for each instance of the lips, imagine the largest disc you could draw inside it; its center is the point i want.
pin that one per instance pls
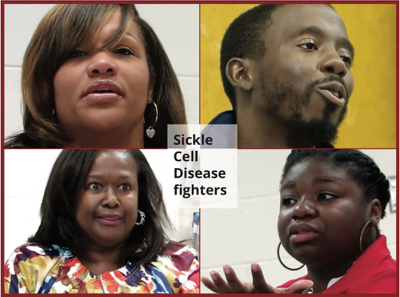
(103, 91)
(302, 233)
(334, 92)
(110, 219)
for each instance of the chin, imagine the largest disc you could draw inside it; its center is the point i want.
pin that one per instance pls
(311, 133)
(306, 254)
(103, 123)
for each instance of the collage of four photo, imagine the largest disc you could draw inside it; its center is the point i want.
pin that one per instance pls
(200, 148)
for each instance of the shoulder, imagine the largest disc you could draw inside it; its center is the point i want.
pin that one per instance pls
(177, 248)
(382, 279)
(29, 265)
(381, 276)
(180, 254)
(373, 272)
(29, 253)
(180, 266)
(226, 117)
(32, 250)
(21, 140)
(220, 130)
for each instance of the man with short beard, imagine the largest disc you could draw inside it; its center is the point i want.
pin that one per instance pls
(286, 71)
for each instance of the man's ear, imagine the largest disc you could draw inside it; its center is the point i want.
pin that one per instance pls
(239, 73)
(152, 81)
(375, 211)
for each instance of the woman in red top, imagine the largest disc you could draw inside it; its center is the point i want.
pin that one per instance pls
(331, 204)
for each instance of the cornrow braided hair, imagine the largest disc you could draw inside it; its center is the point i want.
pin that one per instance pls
(360, 167)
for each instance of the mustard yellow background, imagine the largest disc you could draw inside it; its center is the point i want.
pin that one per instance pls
(371, 117)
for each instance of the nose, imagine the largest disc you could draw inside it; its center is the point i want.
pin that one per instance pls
(332, 63)
(100, 64)
(110, 199)
(305, 208)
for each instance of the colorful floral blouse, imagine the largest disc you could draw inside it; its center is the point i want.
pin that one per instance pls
(49, 268)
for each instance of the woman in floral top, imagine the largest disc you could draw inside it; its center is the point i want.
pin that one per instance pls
(103, 230)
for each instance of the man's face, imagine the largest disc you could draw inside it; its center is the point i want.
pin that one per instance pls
(304, 79)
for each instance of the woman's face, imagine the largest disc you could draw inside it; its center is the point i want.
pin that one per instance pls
(104, 89)
(108, 205)
(322, 213)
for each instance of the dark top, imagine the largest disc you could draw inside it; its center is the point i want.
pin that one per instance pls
(229, 118)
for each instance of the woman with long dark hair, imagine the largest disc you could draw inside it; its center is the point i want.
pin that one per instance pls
(103, 230)
(97, 76)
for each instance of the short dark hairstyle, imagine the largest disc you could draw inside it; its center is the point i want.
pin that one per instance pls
(360, 167)
(67, 180)
(60, 33)
(244, 38)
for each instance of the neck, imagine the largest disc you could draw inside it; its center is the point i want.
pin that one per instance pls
(116, 138)
(256, 129)
(322, 275)
(99, 260)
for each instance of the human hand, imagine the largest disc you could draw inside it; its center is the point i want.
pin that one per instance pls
(259, 285)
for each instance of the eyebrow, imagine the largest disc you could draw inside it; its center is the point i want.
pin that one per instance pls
(324, 180)
(342, 41)
(98, 176)
(292, 184)
(130, 35)
(288, 185)
(125, 35)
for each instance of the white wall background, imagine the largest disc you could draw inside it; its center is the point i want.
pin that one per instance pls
(248, 234)
(176, 25)
(25, 177)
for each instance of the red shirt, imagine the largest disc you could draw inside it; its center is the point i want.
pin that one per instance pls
(373, 272)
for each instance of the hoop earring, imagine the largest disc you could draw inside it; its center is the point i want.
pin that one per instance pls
(362, 232)
(150, 130)
(280, 260)
(142, 217)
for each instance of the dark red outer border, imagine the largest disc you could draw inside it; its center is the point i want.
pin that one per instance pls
(2, 146)
(397, 144)
(200, 2)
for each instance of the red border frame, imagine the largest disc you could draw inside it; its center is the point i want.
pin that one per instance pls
(199, 2)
